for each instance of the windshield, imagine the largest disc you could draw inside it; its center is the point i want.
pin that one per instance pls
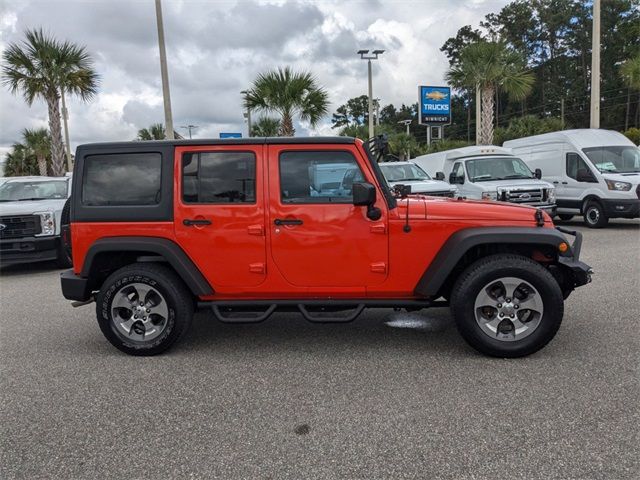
(36, 190)
(497, 168)
(615, 159)
(404, 172)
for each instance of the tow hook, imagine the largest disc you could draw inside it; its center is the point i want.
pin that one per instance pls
(76, 304)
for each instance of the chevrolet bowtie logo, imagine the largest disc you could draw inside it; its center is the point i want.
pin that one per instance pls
(436, 95)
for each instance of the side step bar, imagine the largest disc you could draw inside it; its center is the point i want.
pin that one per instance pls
(313, 310)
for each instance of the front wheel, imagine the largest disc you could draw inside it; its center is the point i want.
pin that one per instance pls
(144, 308)
(594, 215)
(507, 305)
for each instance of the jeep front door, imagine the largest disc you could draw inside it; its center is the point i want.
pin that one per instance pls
(219, 212)
(318, 237)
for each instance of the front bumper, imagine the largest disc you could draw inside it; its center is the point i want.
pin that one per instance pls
(614, 208)
(28, 249)
(74, 287)
(580, 271)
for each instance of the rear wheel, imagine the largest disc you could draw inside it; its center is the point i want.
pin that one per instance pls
(507, 305)
(594, 215)
(143, 309)
(565, 216)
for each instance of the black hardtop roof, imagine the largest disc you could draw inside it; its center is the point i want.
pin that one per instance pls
(225, 141)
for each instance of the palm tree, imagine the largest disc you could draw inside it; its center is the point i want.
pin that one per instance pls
(630, 72)
(155, 131)
(42, 67)
(489, 66)
(38, 143)
(266, 127)
(18, 162)
(288, 93)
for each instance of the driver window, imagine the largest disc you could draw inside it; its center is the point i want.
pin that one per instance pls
(458, 171)
(575, 165)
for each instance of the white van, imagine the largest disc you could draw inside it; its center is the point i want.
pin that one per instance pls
(490, 173)
(596, 172)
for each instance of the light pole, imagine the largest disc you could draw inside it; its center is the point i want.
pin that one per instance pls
(406, 123)
(595, 67)
(189, 128)
(168, 118)
(364, 55)
(247, 115)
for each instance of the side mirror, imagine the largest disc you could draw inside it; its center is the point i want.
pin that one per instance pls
(453, 179)
(364, 194)
(402, 190)
(538, 173)
(439, 176)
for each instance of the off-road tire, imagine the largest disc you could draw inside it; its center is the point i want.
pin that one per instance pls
(593, 214)
(478, 275)
(565, 217)
(179, 301)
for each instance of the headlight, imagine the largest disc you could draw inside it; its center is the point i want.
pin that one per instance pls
(47, 223)
(489, 195)
(616, 185)
(551, 195)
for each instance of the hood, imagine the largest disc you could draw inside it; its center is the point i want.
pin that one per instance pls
(632, 178)
(426, 186)
(477, 210)
(514, 183)
(30, 207)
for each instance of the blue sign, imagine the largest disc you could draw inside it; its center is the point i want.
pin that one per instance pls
(230, 135)
(435, 105)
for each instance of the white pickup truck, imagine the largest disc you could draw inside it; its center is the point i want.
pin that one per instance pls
(30, 214)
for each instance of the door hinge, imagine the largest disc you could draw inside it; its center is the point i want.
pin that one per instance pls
(379, 267)
(257, 230)
(257, 267)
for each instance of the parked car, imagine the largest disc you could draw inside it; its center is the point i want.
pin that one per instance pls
(596, 172)
(408, 173)
(234, 226)
(30, 220)
(491, 173)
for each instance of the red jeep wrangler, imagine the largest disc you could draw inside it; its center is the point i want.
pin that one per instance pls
(252, 226)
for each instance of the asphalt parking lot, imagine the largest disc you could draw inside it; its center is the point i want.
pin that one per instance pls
(388, 396)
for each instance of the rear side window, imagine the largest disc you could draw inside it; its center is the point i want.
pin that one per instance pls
(219, 177)
(122, 179)
(318, 177)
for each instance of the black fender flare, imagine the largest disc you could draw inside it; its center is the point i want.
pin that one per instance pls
(165, 248)
(463, 240)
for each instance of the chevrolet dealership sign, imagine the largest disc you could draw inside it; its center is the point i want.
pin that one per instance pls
(435, 106)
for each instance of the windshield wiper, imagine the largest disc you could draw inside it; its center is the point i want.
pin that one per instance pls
(517, 175)
(32, 199)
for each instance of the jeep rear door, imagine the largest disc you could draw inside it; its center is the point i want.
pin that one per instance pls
(219, 212)
(317, 237)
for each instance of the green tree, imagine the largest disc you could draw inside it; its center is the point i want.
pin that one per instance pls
(527, 126)
(18, 162)
(401, 145)
(354, 112)
(42, 67)
(155, 131)
(630, 72)
(490, 66)
(288, 94)
(38, 143)
(266, 127)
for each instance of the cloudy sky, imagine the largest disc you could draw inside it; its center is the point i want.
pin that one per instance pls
(216, 48)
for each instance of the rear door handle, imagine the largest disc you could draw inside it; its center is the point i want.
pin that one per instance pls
(287, 221)
(556, 182)
(200, 221)
(565, 183)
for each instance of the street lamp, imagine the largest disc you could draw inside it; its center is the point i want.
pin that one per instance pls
(406, 123)
(189, 128)
(247, 115)
(364, 55)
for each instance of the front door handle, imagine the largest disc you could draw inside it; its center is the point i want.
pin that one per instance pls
(287, 221)
(188, 222)
(565, 183)
(556, 182)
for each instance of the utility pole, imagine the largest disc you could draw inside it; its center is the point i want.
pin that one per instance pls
(595, 67)
(189, 128)
(65, 118)
(374, 56)
(168, 118)
(377, 103)
(562, 113)
(247, 115)
(406, 123)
